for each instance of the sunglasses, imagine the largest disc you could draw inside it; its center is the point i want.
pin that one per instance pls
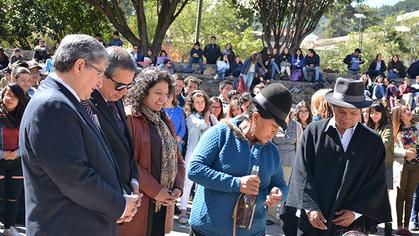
(120, 86)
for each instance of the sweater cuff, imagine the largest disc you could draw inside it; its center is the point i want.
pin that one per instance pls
(236, 185)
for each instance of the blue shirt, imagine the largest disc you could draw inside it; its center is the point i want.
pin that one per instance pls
(219, 160)
(177, 116)
(355, 64)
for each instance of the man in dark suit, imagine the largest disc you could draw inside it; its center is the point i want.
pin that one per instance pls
(72, 183)
(119, 77)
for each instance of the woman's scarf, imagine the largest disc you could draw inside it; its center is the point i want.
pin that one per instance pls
(169, 163)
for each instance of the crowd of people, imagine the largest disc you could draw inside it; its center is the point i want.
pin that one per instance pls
(111, 140)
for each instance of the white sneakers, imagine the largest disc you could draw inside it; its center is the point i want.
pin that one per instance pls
(12, 231)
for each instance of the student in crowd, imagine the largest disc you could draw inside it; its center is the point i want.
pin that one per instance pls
(136, 54)
(234, 109)
(228, 50)
(274, 62)
(12, 106)
(7, 77)
(235, 67)
(40, 52)
(396, 69)
(406, 92)
(223, 159)
(303, 114)
(392, 92)
(312, 64)
(167, 66)
(222, 67)
(195, 56)
(258, 88)
(406, 168)
(285, 61)
(177, 116)
(98, 37)
(365, 116)
(354, 62)
(4, 59)
(212, 51)
(162, 57)
(286, 141)
(377, 67)
(16, 57)
(199, 119)
(22, 77)
(379, 90)
(179, 85)
(379, 122)
(320, 108)
(297, 60)
(234, 94)
(368, 85)
(116, 40)
(216, 108)
(250, 67)
(245, 101)
(161, 165)
(224, 89)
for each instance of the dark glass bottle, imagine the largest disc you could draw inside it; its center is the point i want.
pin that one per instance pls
(246, 206)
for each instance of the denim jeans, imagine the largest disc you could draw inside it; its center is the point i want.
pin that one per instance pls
(274, 70)
(221, 74)
(248, 80)
(393, 75)
(316, 70)
(415, 207)
(196, 60)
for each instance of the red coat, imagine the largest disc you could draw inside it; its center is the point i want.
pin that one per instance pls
(149, 186)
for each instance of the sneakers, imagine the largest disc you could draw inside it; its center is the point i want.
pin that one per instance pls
(183, 219)
(11, 232)
(413, 226)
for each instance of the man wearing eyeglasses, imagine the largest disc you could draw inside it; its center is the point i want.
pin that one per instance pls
(119, 77)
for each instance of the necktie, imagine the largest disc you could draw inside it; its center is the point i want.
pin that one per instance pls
(88, 108)
(116, 116)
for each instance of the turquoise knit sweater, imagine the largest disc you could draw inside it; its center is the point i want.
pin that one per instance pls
(221, 157)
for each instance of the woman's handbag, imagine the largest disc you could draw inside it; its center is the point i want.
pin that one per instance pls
(241, 85)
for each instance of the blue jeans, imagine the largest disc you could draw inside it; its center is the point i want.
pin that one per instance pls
(415, 207)
(353, 73)
(248, 80)
(274, 70)
(393, 75)
(221, 74)
(196, 60)
(316, 70)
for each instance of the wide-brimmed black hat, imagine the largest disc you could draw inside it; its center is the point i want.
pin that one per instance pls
(274, 101)
(349, 93)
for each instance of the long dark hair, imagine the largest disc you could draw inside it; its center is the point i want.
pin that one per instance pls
(214, 100)
(378, 106)
(189, 107)
(14, 117)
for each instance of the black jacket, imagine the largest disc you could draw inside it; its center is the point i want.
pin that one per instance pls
(325, 178)
(399, 66)
(315, 60)
(348, 60)
(374, 64)
(212, 52)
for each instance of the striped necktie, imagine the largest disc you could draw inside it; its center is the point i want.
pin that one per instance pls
(88, 108)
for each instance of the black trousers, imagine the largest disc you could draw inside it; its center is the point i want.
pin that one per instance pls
(156, 220)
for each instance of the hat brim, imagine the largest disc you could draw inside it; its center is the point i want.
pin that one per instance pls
(265, 112)
(338, 102)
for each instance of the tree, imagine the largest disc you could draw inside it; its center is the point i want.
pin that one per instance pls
(166, 11)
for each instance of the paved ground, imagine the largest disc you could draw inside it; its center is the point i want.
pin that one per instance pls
(273, 230)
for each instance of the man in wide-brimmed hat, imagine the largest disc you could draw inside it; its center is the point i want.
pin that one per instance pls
(339, 172)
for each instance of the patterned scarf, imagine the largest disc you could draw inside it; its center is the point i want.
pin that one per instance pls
(169, 162)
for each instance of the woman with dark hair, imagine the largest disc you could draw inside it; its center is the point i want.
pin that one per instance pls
(228, 50)
(297, 63)
(177, 116)
(151, 56)
(250, 68)
(199, 119)
(4, 59)
(222, 162)
(162, 57)
(234, 109)
(156, 153)
(245, 101)
(377, 67)
(303, 114)
(216, 108)
(12, 106)
(274, 61)
(285, 59)
(379, 122)
(396, 69)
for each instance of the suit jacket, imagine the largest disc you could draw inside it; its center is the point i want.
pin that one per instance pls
(71, 179)
(120, 142)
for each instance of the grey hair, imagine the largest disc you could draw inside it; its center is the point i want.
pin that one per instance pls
(119, 58)
(78, 46)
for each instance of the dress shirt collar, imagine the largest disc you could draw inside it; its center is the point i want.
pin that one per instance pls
(67, 86)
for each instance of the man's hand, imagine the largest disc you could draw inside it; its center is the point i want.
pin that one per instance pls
(317, 220)
(274, 197)
(165, 197)
(249, 184)
(130, 208)
(136, 190)
(7, 155)
(344, 218)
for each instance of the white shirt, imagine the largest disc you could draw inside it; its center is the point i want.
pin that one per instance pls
(59, 80)
(345, 139)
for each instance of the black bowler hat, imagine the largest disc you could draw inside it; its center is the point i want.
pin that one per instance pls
(274, 101)
(349, 93)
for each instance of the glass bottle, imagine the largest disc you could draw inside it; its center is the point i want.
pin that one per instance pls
(246, 206)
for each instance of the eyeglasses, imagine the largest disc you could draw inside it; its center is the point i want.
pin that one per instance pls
(99, 73)
(120, 86)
